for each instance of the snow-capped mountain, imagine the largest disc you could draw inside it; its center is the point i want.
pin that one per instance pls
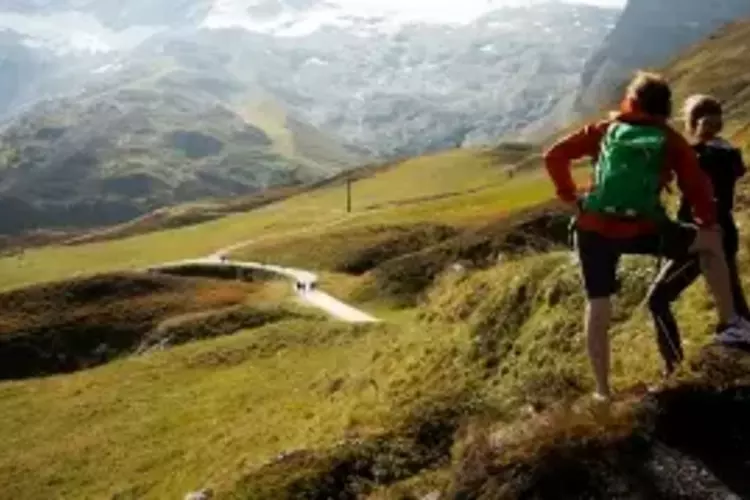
(433, 85)
(391, 79)
(111, 109)
(363, 17)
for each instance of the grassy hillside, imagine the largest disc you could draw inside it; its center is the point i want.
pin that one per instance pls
(365, 377)
(69, 326)
(157, 133)
(717, 66)
(714, 66)
(476, 386)
(265, 411)
(462, 188)
(188, 214)
(208, 412)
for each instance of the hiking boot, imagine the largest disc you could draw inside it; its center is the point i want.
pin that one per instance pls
(658, 386)
(601, 398)
(737, 331)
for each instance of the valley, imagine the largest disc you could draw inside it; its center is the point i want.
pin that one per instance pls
(110, 114)
(120, 383)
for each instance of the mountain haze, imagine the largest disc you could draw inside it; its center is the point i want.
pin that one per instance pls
(171, 128)
(111, 109)
(392, 85)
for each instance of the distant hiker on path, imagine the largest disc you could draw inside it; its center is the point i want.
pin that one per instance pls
(723, 164)
(636, 154)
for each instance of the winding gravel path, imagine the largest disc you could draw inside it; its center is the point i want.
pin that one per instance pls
(305, 284)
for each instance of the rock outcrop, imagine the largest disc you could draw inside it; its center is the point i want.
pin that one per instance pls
(649, 34)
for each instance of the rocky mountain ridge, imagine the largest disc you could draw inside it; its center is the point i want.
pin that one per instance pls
(390, 84)
(649, 34)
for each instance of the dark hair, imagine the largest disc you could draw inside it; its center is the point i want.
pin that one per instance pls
(651, 94)
(699, 107)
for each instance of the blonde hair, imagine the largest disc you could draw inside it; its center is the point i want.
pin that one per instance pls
(698, 110)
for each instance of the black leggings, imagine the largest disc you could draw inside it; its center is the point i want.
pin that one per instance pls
(672, 281)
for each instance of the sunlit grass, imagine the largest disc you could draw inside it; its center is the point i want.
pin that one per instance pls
(205, 413)
(398, 195)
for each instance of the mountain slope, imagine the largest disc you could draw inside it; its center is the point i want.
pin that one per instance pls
(114, 110)
(648, 34)
(718, 66)
(161, 130)
(476, 392)
(389, 84)
(420, 87)
(523, 318)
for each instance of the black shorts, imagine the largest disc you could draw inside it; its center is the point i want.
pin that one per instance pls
(599, 256)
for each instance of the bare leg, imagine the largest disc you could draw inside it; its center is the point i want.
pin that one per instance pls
(714, 267)
(598, 317)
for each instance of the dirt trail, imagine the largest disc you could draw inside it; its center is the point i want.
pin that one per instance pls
(305, 284)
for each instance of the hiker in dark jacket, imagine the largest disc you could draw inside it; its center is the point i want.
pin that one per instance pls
(636, 154)
(724, 165)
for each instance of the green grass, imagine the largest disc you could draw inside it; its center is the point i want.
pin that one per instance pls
(270, 117)
(717, 67)
(319, 245)
(208, 413)
(347, 249)
(395, 196)
(8, 156)
(211, 413)
(295, 140)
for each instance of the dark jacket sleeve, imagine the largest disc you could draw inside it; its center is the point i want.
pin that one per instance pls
(694, 184)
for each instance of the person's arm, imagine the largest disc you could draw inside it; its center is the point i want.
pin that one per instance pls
(559, 158)
(693, 182)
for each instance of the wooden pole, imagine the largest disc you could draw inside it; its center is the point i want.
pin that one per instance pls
(348, 194)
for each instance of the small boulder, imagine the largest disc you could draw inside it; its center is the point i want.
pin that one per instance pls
(204, 494)
(458, 268)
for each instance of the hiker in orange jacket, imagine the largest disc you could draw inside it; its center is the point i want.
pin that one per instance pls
(635, 222)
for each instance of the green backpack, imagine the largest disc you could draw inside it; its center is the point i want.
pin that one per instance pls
(628, 173)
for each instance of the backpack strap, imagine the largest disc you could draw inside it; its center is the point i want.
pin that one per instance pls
(611, 128)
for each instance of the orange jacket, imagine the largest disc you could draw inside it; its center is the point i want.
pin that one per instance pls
(680, 162)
